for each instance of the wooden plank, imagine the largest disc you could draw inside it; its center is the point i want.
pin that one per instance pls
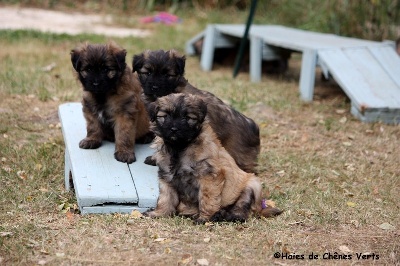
(307, 75)
(189, 47)
(386, 116)
(294, 39)
(350, 80)
(207, 55)
(145, 177)
(382, 85)
(111, 208)
(255, 59)
(389, 60)
(99, 179)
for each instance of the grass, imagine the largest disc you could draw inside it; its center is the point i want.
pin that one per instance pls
(336, 178)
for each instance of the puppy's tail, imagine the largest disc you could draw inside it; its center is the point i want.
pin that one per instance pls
(261, 207)
(269, 210)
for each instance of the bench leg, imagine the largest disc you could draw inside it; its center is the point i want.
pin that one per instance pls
(255, 59)
(207, 55)
(67, 170)
(307, 76)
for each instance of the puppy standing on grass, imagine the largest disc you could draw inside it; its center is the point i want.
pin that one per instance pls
(112, 105)
(161, 73)
(198, 177)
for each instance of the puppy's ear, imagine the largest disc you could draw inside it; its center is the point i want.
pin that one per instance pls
(202, 110)
(152, 110)
(137, 62)
(180, 65)
(120, 58)
(75, 56)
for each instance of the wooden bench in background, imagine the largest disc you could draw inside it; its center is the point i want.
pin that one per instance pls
(101, 183)
(367, 71)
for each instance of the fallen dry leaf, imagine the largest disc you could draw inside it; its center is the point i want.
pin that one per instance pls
(345, 249)
(70, 216)
(161, 240)
(386, 226)
(343, 120)
(340, 111)
(202, 262)
(167, 250)
(270, 203)
(49, 67)
(3, 234)
(21, 174)
(42, 262)
(186, 258)
(355, 223)
(281, 173)
(351, 204)
(7, 169)
(135, 214)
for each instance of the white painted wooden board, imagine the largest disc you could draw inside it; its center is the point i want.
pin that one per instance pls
(389, 60)
(350, 79)
(368, 71)
(101, 183)
(293, 39)
(375, 96)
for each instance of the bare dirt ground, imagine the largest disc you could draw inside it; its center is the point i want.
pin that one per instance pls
(61, 22)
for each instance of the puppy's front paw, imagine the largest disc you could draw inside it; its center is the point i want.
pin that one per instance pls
(201, 221)
(150, 213)
(150, 161)
(89, 144)
(125, 157)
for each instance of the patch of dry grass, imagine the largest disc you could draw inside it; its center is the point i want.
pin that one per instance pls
(337, 179)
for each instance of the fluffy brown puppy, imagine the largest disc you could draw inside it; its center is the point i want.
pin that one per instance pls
(198, 177)
(162, 73)
(112, 105)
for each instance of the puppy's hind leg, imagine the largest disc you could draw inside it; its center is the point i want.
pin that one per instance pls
(167, 201)
(247, 202)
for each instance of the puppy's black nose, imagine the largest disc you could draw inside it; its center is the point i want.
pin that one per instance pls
(174, 129)
(154, 88)
(95, 83)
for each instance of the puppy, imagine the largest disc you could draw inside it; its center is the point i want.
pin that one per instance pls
(198, 177)
(112, 105)
(162, 73)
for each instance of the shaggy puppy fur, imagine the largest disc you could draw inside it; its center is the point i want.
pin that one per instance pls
(161, 73)
(198, 177)
(112, 105)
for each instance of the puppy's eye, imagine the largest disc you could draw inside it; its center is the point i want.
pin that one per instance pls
(191, 119)
(161, 119)
(83, 73)
(145, 73)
